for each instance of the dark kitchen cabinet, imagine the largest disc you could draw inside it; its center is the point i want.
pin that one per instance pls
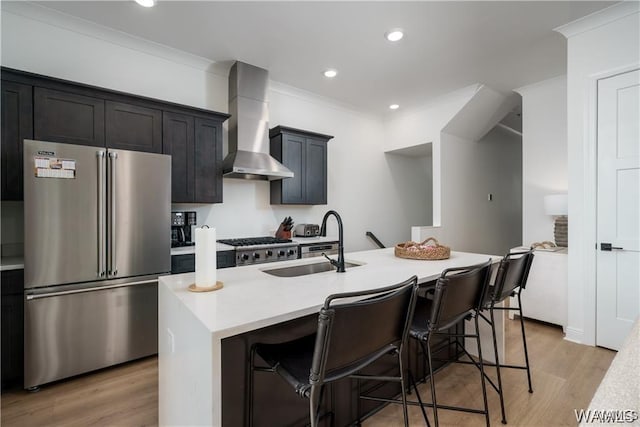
(17, 125)
(305, 154)
(178, 141)
(50, 109)
(68, 117)
(195, 146)
(133, 127)
(208, 161)
(183, 263)
(12, 328)
(186, 263)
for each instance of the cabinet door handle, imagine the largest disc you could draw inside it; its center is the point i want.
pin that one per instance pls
(608, 247)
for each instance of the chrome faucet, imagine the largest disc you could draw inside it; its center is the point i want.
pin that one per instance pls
(339, 264)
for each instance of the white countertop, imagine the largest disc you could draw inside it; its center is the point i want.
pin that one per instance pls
(11, 263)
(620, 387)
(252, 299)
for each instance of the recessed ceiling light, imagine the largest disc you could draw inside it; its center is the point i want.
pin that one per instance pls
(394, 106)
(146, 3)
(394, 35)
(330, 73)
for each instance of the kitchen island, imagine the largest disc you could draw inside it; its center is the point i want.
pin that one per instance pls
(204, 337)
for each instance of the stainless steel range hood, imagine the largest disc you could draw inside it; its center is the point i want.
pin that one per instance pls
(248, 156)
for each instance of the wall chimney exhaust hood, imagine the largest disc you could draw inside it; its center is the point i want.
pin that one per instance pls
(248, 156)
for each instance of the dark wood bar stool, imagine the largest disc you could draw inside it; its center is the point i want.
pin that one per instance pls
(511, 280)
(351, 335)
(458, 295)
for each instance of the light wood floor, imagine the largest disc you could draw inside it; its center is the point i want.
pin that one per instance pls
(565, 376)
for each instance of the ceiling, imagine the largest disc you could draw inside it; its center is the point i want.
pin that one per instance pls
(447, 45)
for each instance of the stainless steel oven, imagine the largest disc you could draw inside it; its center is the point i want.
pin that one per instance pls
(308, 250)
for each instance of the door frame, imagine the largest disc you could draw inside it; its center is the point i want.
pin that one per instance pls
(588, 209)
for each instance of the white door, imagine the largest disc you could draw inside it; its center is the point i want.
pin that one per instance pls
(618, 267)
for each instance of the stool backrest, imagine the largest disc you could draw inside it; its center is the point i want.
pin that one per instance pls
(459, 292)
(512, 273)
(352, 334)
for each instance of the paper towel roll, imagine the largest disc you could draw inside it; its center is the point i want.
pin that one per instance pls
(205, 257)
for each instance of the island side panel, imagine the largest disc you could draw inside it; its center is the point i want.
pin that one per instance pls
(276, 403)
(186, 365)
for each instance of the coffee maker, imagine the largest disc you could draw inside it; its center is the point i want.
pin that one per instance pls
(181, 226)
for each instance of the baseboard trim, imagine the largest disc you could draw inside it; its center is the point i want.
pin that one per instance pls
(574, 335)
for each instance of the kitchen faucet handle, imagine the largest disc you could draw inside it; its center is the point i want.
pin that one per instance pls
(332, 261)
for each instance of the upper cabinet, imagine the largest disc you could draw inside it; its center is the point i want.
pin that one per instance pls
(178, 131)
(305, 154)
(208, 161)
(60, 116)
(195, 146)
(48, 109)
(17, 125)
(133, 127)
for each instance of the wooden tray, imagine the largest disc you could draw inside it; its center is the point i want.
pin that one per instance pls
(194, 288)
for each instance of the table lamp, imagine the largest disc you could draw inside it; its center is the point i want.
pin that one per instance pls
(556, 205)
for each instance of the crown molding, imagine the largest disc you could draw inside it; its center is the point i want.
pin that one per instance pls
(599, 18)
(45, 15)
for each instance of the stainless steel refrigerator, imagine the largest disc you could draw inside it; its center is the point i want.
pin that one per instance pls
(97, 236)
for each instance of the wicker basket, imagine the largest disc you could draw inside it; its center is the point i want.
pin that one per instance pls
(435, 252)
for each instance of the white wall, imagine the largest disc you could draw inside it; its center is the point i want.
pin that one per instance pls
(465, 171)
(360, 185)
(471, 170)
(420, 126)
(54, 44)
(413, 172)
(600, 45)
(544, 154)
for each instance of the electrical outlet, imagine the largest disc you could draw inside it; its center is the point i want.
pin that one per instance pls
(172, 343)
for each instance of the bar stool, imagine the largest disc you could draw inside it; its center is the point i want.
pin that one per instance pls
(350, 336)
(511, 280)
(459, 294)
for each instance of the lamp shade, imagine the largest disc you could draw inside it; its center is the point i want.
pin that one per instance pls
(556, 204)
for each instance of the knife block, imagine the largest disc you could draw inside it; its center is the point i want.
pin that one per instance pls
(281, 234)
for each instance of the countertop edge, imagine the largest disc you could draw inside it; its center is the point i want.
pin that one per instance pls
(215, 309)
(11, 263)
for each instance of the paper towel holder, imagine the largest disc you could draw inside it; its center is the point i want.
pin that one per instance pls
(193, 288)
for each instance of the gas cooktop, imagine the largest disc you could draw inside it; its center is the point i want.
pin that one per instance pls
(254, 241)
(255, 250)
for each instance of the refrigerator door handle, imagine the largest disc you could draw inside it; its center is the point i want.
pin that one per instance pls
(113, 269)
(32, 296)
(102, 199)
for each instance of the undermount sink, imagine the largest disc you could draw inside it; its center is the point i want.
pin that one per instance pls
(303, 270)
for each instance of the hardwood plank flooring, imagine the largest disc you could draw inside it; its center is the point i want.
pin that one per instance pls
(565, 377)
